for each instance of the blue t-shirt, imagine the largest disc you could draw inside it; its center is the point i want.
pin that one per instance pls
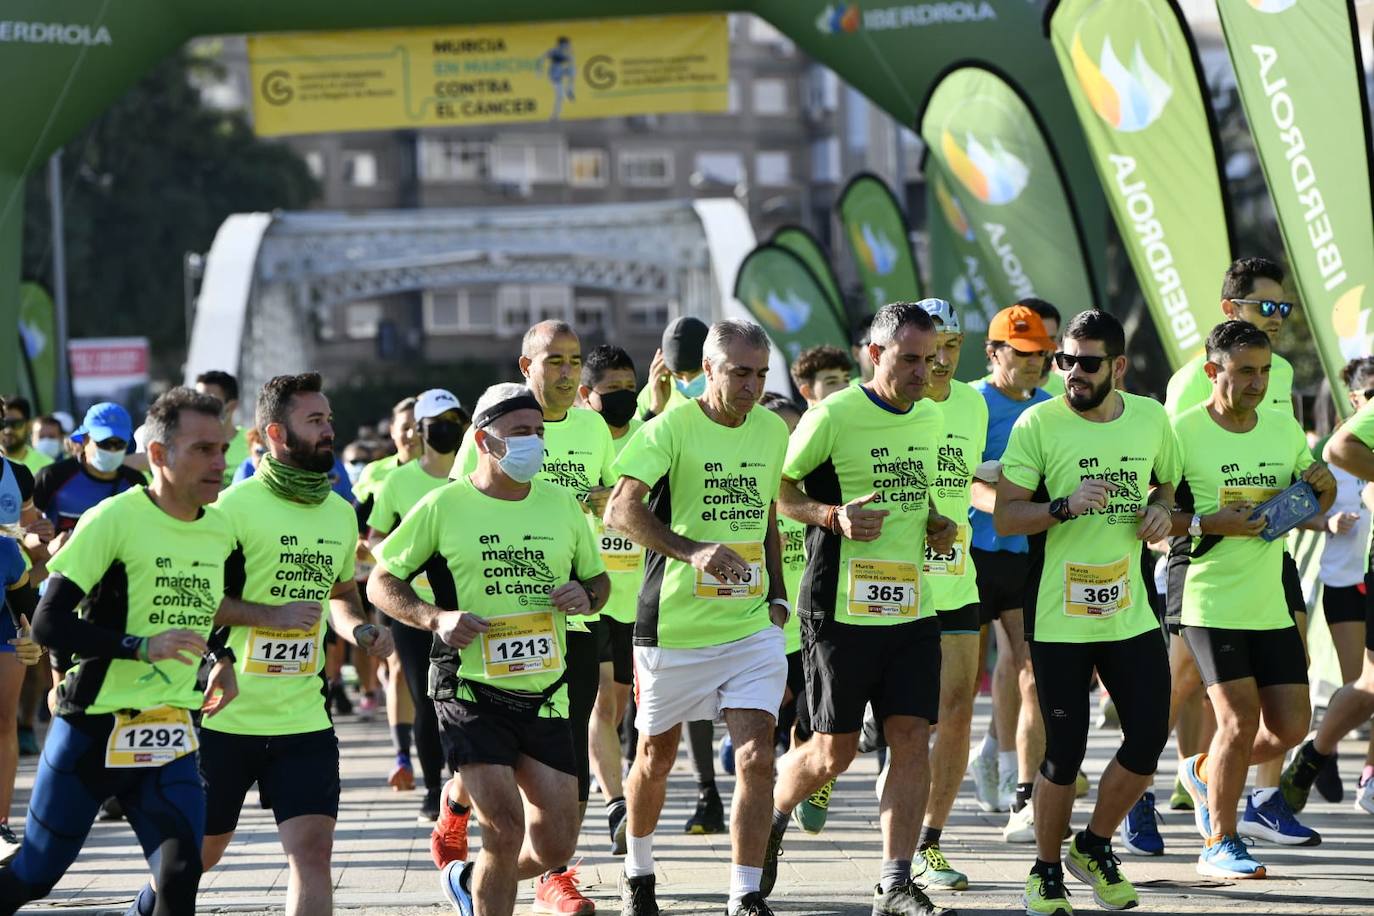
(12, 565)
(1002, 414)
(338, 478)
(65, 491)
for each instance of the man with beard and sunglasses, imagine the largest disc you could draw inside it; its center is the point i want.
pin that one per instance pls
(295, 542)
(1077, 478)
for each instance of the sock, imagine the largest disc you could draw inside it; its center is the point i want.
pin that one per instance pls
(780, 821)
(639, 857)
(617, 802)
(1304, 776)
(1086, 839)
(1006, 763)
(1023, 795)
(400, 740)
(930, 836)
(455, 808)
(895, 872)
(146, 900)
(708, 784)
(1045, 869)
(1261, 795)
(744, 879)
(988, 748)
(1202, 768)
(615, 811)
(553, 871)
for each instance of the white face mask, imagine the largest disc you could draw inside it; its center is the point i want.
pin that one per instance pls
(524, 457)
(49, 446)
(106, 460)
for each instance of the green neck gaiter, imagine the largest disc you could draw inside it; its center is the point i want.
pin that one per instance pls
(294, 484)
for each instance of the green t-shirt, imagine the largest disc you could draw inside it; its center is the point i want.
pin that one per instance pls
(372, 477)
(1091, 589)
(793, 537)
(714, 484)
(143, 573)
(645, 399)
(500, 563)
(953, 578)
(1054, 384)
(1190, 386)
(286, 552)
(848, 446)
(624, 558)
(398, 494)
(1361, 426)
(1238, 582)
(236, 455)
(34, 460)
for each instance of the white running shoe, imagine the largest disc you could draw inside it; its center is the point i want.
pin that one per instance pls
(1364, 797)
(1006, 790)
(1020, 826)
(984, 773)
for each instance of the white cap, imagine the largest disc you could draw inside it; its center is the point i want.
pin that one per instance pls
(434, 402)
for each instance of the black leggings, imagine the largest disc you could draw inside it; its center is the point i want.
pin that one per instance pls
(412, 648)
(584, 679)
(1135, 672)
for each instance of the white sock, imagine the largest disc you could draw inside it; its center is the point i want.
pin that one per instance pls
(1261, 795)
(1006, 765)
(988, 748)
(744, 879)
(639, 856)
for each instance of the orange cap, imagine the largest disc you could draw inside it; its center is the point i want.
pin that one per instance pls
(1022, 328)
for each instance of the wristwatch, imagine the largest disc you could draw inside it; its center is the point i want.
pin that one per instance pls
(1059, 508)
(1195, 526)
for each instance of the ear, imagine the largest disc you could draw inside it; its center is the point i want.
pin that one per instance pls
(1229, 309)
(583, 392)
(525, 363)
(875, 353)
(157, 454)
(276, 435)
(808, 392)
(1211, 369)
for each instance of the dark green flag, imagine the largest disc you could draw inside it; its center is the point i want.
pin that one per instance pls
(879, 242)
(785, 297)
(806, 246)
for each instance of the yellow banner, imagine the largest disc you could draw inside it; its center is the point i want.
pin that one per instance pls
(314, 82)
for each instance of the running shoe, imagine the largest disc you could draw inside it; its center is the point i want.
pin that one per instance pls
(1328, 782)
(28, 742)
(727, 755)
(709, 817)
(1139, 831)
(905, 899)
(1099, 868)
(618, 821)
(1274, 821)
(637, 896)
(752, 905)
(1364, 796)
(1006, 790)
(810, 815)
(451, 882)
(402, 778)
(1228, 857)
(1107, 719)
(1197, 791)
(448, 841)
(343, 706)
(111, 810)
(9, 843)
(984, 773)
(1180, 800)
(1080, 785)
(931, 865)
(367, 707)
(1046, 896)
(556, 892)
(1020, 826)
(429, 808)
(1301, 772)
(770, 863)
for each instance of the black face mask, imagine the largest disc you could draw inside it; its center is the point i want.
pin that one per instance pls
(443, 436)
(618, 407)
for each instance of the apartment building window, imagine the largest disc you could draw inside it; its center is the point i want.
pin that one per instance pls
(314, 163)
(647, 315)
(361, 319)
(825, 160)
(587, 168)
(650, 168)
(590, 312)
(522, 162)
(460, 310)
(519, 306)
(449, 160)
(773, 169)
(770, 96)
(721, 168)
(360, 168)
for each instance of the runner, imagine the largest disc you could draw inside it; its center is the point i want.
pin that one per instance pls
(707, 637)
(48, 436)
(1236, 454)
(675, 375)
(1075, 477)
(870, 632)
(406, 439)
(133, 595)
(15, 433)
(224, 386)
(508, 557)
(820, 371)
(64, 490)
(1050, 380)
(18, 653)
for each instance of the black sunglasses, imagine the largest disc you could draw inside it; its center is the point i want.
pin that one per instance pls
(12, 423)
(1267, 307)
(1090, 364)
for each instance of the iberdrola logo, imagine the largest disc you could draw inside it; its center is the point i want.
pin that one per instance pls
(786, 313)
(874, 249)
(1353, 323)
(994, 176)
(1127, 99)
(953, 211)
(1272, 6)
(837, 18)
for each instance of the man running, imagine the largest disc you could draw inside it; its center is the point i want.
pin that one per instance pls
(1076, 476)
(225, 387)
(15, 432)
(708, 637)
(509, 558)
(866, 456)
(675, 376)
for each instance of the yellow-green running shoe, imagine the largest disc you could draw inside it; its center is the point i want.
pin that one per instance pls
(1180, 800)
(1099, 868)
(810, 815)
(1080, 785)
(932, 866)
(1046, 896)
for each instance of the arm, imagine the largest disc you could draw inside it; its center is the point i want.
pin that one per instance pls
(351, 623)
(983, 496)
(297, 615)
(772, 559)
(56, 624)
(627, 513)
(796, 505)
(1014, 513)
(581, 596)
(395, 597)
(1346, 451)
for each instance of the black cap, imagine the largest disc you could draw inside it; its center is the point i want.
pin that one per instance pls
(682, 344)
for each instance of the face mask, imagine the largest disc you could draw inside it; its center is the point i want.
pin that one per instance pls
(693, 389)
(618, 407)
(107, 460)
(49, 446)
(523, 459)
(443, 436)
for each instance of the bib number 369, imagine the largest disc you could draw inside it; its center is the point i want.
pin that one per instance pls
(1097, 590)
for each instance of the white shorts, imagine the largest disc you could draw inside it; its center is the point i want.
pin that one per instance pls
(673, 686)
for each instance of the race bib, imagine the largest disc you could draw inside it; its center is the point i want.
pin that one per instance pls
(884, 588)
(1097, 591)
(952, 563)
(708, 586)
(619, 553)
(517, 644)
(280, 653)
(150, 738)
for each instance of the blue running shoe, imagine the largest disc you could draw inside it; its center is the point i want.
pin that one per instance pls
(727, 755)
(1228, 857)
(451, 883)
(1197, 790)
(1274, 821)
(1139, 831)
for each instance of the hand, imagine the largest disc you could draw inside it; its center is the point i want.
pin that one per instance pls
(722, 562)
(459, 628)
(1091, 494)
(1319, 476)
(660, 383)
(596, 500)
(1235, 521)
(571, 598)
(941, 533)
(42, 528)
(56, 544)
(361, 553)
(220, 687)
(376, 641)
(26, 650)
(185, 646)
(297, 615)
(778, 614)
(1342, 522)
(858, 523)
(1155, 522)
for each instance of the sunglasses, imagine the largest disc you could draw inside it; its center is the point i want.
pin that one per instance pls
(1090, 364)
(12, 423)
(1267, 307)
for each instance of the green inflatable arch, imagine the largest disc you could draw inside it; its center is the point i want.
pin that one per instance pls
(63, 61)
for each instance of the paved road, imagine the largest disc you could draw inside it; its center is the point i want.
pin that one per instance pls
(382, 860)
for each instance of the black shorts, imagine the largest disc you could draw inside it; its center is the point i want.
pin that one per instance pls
(1292, 587)
(1178, 574)
(896, 668)
(966, 619)
(1344, 604)
(492, 737)
(618, 647)
(1271, 657)
(296, 775)
(1001, 581)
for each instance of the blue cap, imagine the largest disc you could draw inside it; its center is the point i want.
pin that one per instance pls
(106, 420)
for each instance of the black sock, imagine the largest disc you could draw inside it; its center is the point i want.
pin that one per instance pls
(1045, 869)
(617, 802)
(706, 785)
(453, 806)
(1089, 840)
(780, 822)
(930, 836)
(400, 738)
(1304, 776)
(1023, 795)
